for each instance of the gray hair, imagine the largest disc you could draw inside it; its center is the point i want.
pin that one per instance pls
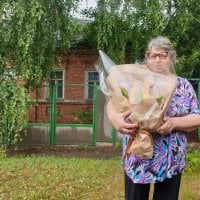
(163, 43)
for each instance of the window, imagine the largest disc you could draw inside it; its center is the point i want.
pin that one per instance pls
(57, 77)
(92, 77)
(10, 73)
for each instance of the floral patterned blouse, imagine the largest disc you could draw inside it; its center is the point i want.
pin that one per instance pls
(169, 157)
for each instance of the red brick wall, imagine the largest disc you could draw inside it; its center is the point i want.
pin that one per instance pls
(74, 64)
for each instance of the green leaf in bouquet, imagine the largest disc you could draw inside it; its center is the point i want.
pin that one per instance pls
(160, 100)
(124, 92)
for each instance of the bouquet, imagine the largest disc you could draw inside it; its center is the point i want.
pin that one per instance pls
(145, 94)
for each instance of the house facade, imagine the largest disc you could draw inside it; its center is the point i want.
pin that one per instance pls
(74, 78)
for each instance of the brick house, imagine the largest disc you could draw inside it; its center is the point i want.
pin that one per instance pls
(77, 68)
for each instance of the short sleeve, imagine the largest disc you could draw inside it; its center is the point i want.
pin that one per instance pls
(184, 100)
(192, 97)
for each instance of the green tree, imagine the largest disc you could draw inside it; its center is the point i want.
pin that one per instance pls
(13, 105)
(32, 34)
(122, 27)
(183, 29)
(125, 26)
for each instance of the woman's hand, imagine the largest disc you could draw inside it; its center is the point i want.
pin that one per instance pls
(186, 123)
(118, 120)
(122, 125)
(166, 127)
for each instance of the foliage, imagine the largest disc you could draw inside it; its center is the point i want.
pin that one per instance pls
(85, 117)
(122, 27)
(183, 26)
(13, 105)
(32, 34)
(193, 161)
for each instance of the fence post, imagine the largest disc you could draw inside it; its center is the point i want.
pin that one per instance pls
(95, 113)
(52, 131)
(114, 135)
(198, 95)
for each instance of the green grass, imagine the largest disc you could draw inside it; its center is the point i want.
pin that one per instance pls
(51, 178)
(60, 178)
(190, 186)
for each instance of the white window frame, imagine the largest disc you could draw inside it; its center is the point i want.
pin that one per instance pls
(56, 82)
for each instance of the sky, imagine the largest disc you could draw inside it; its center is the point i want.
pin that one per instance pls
(86, 4)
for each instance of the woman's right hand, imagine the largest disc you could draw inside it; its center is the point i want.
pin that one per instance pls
(118, 120)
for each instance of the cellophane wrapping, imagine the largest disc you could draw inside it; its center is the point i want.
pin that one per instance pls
(146, 94)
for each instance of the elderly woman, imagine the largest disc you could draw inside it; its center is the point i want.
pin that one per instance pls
(169, 156)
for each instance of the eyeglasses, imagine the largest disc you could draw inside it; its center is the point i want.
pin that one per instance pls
(161, 55)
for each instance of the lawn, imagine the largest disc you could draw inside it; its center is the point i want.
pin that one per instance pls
(49, 177)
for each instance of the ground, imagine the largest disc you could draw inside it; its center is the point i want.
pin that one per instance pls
(100, 151)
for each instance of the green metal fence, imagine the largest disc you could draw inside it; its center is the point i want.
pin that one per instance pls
(53, 107)
(114, 139)
(53, 124)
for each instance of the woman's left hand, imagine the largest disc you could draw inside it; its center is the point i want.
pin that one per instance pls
(166, 127)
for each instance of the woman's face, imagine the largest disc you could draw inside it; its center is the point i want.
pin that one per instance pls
(159, 61)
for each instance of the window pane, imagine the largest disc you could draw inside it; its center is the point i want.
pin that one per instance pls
(57, 75)
(90, 90)
(59, 82)
(60, 91)
(93, 76)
